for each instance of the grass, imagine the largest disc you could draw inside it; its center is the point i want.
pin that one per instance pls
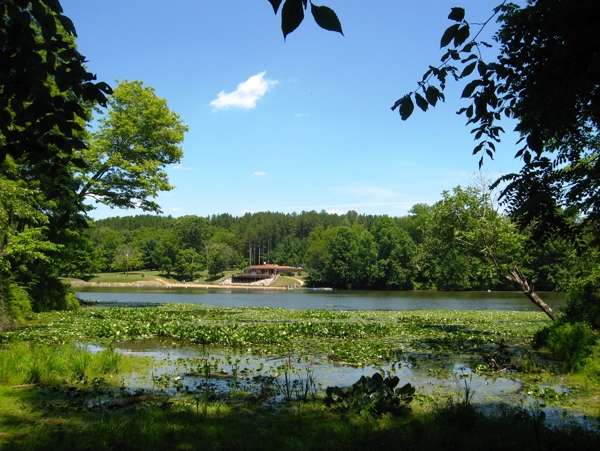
(54, 395)
(284, 281)
(149, 276)
(119, 277)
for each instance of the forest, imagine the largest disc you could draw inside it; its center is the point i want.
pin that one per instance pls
(459, 243)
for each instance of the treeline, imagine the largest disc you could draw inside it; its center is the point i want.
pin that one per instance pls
(460, 243)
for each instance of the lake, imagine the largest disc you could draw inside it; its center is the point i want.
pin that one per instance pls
(320, 300)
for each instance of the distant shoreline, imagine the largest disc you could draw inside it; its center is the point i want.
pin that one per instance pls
(160, 284)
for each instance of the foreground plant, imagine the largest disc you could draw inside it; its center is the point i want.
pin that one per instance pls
(374, 394)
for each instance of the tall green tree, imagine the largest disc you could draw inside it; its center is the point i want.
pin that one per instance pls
(193, 231)
(396, 253)
(137, 137)
(472, 245)
(45, 97)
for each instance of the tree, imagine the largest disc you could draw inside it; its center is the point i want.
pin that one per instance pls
(220, 257)
(193, 232)
(474, 243)
(128, 152)
(45, 96)
(127, 258)
(396, 253)
(290, 251)
(168, 250)
(352, 258)
(546, 78)
(148, 249)
(110, 241)
(189, 263)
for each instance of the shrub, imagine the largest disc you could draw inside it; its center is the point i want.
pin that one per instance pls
(583, 300)
(571, 343)
(52, 294)
(19, 303)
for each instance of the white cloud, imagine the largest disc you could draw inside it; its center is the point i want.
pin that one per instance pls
(175, 209)
(247, 93)
(181, 168)
(259, 173)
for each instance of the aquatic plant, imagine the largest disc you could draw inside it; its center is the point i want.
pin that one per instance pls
(374, 394)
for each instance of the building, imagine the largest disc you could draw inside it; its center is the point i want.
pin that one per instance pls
(260, 272)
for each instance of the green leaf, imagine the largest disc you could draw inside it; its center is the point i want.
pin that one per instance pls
(421, 102)
(535, 143)
(275, 4)
(326, 18)
(448, 35)
(468, 70)
(433, 94)
(461, 35)
(406, 107)
(470, 88)
(457, 14)
(481, 68)
(292, 15)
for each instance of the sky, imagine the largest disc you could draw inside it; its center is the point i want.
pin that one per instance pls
(298, 124)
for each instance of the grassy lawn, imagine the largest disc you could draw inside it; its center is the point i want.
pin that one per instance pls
(145, 276)
(284, 281)
(160, 277)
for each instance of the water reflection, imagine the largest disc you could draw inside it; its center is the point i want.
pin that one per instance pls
(321, 300)
(180, 368)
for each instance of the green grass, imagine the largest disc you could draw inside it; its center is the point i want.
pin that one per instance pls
(284, 281)
(146, 276)
(41, 421)
(119, 277)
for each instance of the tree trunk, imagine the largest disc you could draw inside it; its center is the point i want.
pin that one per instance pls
(516, 276)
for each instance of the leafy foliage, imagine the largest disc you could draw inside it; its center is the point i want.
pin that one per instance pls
(292, 15)
(136, 139)
(583, 299)
(546, 78)
(374, 394)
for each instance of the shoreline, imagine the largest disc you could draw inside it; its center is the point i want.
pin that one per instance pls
(160, 284)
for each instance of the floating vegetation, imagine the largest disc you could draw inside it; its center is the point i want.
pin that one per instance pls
(358, 338)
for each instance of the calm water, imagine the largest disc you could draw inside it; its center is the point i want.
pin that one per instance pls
(327, 300)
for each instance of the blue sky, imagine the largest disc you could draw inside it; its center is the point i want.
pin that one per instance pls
(301, 124)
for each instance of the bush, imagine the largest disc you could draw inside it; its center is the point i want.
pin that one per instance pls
(19, 302)
(52, 294)
(583, 300)
(591, 364)
(572, 343)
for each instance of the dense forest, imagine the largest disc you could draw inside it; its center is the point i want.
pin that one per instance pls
(459, 243)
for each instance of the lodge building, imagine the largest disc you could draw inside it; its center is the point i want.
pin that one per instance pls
(261, 272)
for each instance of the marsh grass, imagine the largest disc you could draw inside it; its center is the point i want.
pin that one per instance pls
(25, 363)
